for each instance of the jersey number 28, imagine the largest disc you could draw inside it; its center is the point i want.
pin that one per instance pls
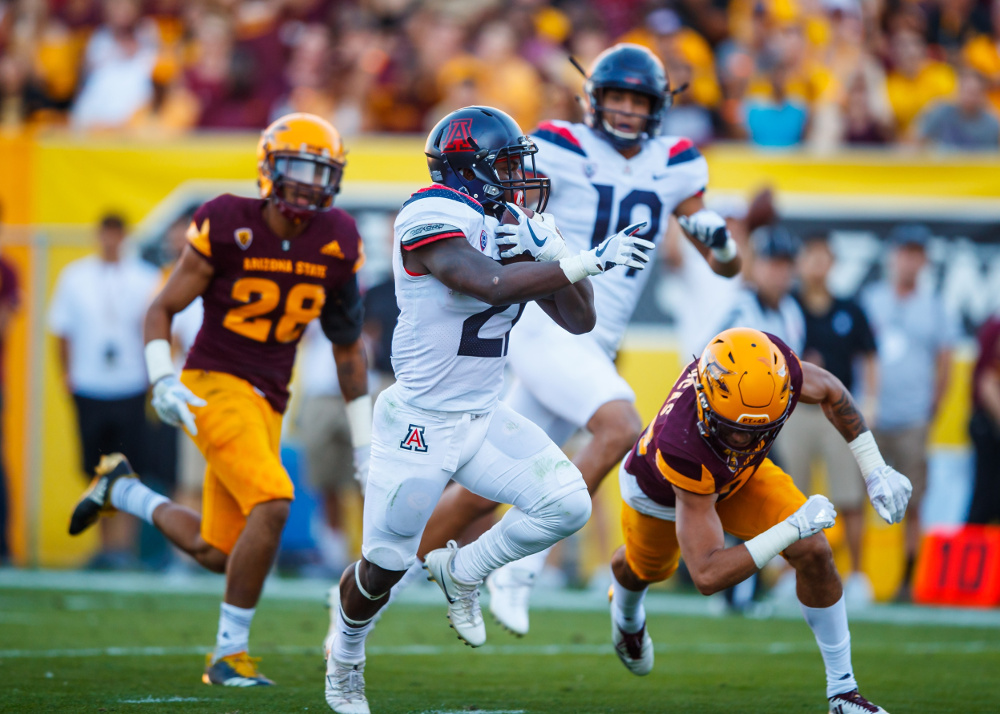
(302, 304)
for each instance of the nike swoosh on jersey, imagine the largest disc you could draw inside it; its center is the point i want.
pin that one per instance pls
(539, 243)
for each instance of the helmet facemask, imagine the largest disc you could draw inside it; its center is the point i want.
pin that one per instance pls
(723, 435)
(619, 139)
(304, 183)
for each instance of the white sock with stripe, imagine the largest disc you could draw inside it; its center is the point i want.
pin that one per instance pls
(829, 625)
(626, 606)
(234, 630)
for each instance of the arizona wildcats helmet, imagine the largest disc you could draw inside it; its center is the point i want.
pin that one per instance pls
(632, 68)
(468, 146)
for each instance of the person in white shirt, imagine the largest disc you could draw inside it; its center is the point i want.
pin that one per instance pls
(96, 314)
(118, 62)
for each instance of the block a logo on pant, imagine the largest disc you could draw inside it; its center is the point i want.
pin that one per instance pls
(414, 440)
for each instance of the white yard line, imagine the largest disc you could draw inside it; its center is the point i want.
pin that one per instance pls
(314, 590)
(706, 648)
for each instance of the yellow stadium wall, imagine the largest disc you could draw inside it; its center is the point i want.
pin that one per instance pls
(60, 186)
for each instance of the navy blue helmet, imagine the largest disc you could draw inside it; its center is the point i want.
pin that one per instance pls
(631, 68)
(463, 152)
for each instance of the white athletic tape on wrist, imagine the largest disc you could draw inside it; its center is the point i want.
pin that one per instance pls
(866, 453)
(159, 360)
(359, 417)
(361, 588)
(574, 268)
(771, 542)
(726, 252)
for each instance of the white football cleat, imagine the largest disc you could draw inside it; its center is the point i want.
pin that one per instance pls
(853, 703)
(635, 650)
(345, 687)
(510, 591)
(463, 598)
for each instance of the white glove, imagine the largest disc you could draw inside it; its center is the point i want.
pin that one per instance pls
(889, 492)
(171, 399)
(537, 236)
(815, 514)
(622, 248)
(707, 227)
(362, 457)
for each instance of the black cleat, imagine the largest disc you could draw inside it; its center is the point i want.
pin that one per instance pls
(96, 501)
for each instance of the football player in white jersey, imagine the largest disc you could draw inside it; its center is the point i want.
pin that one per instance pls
(606, 174)
(442, 419)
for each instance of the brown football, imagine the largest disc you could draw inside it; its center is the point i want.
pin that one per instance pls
(509, 218)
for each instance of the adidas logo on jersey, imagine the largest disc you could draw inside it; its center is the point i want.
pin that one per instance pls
(414, 440)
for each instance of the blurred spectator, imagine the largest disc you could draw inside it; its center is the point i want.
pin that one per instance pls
(777, 120)
(838, 338)
(915, 336)
(968, 123)
(984, 426)
(118, 66)
(765, 303)
(916, 80)
(982, 53)
(950, 23)
(96, 314)
(10, 298)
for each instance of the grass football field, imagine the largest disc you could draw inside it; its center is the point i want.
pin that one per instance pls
(94, 651)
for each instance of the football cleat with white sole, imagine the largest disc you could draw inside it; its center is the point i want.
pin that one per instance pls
(236, 670)
(853, 703)
(509, 595)
(345, 687)
(463, 598)
(96, 500)
(635, 649)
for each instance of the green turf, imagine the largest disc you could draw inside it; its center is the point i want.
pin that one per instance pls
(713, 665)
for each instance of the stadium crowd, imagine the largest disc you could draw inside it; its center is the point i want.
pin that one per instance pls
(821, 73)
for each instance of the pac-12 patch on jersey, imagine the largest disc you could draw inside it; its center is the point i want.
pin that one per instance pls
(414, 440)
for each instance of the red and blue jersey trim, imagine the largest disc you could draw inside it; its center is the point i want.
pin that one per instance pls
(560, 136)
(682, 152)
(424, 240)
(439, 191)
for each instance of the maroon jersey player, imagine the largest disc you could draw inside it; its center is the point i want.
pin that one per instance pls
(700, 469)
(264, 268)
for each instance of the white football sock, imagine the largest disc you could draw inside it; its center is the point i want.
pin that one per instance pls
(234, 630)
(626, 606)
(519, 534)
(829, 625)
(349, 644)
(132, 496)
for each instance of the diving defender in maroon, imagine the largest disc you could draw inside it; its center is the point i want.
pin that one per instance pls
(700, 470)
